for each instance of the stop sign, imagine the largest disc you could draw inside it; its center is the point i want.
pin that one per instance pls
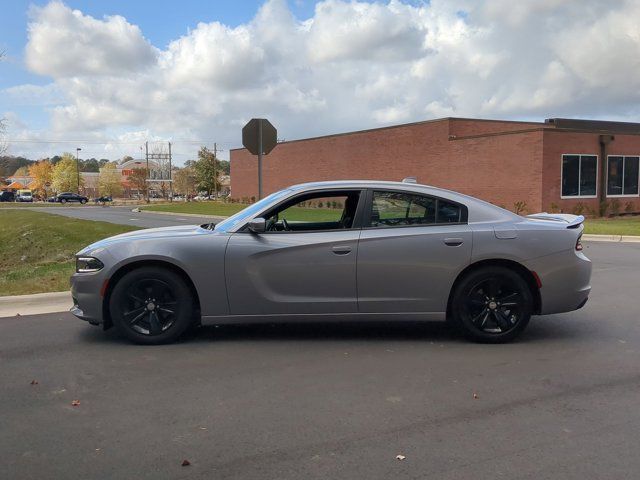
(251, 136)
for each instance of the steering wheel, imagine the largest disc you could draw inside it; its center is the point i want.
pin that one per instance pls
(285, 225)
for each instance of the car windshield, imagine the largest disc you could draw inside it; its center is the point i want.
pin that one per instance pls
(251, 210)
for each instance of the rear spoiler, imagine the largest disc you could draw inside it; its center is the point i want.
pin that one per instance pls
(572, 221)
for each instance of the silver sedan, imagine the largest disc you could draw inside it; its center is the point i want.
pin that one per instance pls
(339, 250)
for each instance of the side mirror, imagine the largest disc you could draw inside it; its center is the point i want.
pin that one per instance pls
(258, 225)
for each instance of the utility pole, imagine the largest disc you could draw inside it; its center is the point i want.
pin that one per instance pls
(215, 173)
(260, 152)
(78, 166)
(146, 153)
(170, 176)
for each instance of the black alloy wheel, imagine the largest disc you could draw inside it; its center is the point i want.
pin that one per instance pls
(492, 305)
(152, 305)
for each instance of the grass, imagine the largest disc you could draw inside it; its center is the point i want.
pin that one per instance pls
(226, 209)
(37, 249)
(613, 226)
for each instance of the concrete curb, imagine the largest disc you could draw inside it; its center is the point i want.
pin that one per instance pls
(35, 304)
(178, 214)
(611, 238)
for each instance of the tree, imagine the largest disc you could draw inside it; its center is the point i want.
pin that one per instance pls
(42, 173)
(90, 165)
(184, 181)
(126, 159)
(3, 126)
(205, 168)
(3, 129)
(138, 180)
(109, 180)
(22, 172)
(64, 177)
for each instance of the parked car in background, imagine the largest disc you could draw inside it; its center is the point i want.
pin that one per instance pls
(7, 196)
(71, 197)
(103, 200)
(24, 196)
(389, 251)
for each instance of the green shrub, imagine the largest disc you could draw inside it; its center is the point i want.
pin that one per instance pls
(604, 208)
(578, 209)
(519, 207)
(554, 207)
(615, 206)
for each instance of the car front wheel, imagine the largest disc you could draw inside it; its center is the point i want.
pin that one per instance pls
(63, 200)
(151, 305)
(83, 201)
(491, 305)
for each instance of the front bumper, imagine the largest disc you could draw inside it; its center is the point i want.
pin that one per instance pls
(87, 299)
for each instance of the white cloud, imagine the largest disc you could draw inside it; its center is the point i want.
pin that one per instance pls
(64, 43)
(353, 65)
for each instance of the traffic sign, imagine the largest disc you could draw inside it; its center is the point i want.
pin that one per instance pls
(259, 131)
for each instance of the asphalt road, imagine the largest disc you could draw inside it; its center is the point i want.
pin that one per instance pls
(332, 401)
(124, 216)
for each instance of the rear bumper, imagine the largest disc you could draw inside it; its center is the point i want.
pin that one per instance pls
(566, 281)
(87, 298)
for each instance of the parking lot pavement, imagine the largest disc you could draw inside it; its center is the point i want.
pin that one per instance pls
(124, 216)
(332, 401)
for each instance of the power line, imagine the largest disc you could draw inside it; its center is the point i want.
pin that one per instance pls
(91, 142)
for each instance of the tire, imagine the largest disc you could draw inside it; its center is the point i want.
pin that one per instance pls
(82, 202)
(63, 200)
(141, 301)
(491, 305)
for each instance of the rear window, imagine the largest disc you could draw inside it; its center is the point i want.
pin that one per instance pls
(391, 209)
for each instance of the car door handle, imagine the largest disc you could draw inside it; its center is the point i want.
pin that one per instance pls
(453, 242)
(341, 249)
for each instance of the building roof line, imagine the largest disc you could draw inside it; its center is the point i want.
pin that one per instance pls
(402, 125)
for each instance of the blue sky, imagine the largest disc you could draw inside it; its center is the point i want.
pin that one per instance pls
(160, 20)
(110, 75)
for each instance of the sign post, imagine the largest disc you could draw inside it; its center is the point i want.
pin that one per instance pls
(259, 137)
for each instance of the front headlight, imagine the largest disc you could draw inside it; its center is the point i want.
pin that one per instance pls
(88, 264)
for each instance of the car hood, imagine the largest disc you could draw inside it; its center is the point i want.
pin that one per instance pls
(149, 234)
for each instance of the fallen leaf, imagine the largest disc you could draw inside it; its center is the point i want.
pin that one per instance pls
(34, 382)
(186, 463)
(475, 396)
(75, 403)
(400, 457)
(18, 315)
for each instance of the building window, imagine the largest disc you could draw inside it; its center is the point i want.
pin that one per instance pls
(622, 175)
(579, 175)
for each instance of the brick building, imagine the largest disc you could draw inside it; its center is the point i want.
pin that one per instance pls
(552, 166)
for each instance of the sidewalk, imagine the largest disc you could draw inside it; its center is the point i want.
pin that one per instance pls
(589, 237)
(34, 304)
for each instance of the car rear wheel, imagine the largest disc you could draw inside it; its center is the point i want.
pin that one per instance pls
(492, 305)
(152, 305)
(63, 200)
(83, 201)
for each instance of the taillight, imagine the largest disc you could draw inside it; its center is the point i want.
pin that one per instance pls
(579, 243)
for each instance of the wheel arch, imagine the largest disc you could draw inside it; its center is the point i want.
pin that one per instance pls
(124, 269)
(523, 271)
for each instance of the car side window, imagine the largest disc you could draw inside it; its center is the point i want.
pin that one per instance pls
(399, 209)
(318, 211)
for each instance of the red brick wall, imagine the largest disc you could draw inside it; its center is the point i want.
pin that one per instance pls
(557, 143)
(500, 168)
(384, 154)
(485, 167)
(462, 127)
